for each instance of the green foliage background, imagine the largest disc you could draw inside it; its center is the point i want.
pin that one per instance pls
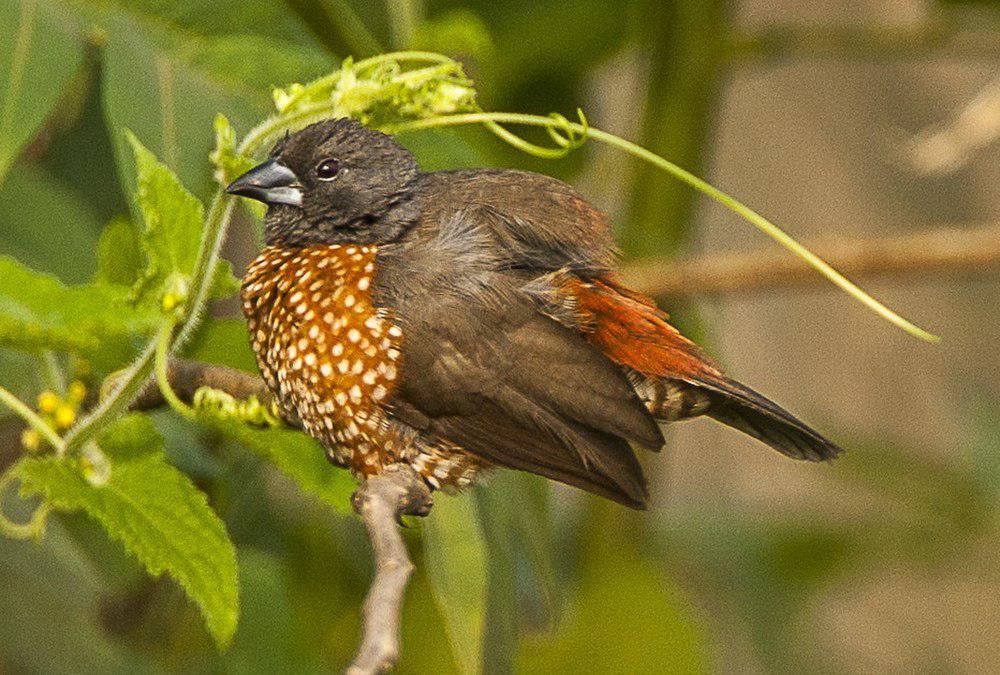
(95, 231)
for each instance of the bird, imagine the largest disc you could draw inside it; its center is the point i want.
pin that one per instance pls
(461, 320)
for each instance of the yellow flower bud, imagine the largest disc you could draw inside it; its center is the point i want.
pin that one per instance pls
(65, 415)
(48, 401)
(77, 391)
(30, 440)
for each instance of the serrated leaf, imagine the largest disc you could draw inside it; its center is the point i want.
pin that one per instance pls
(119, 257)
(224, 282)
(92, 320)
(172, 219)
(42, 51)
(229, 165)
(299, 457)
(46, 224)
(155, 512)
(455, 555)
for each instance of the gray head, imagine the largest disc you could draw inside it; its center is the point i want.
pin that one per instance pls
(334, 182)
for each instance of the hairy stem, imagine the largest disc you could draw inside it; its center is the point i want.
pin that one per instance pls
(160, 368)
(21, 409)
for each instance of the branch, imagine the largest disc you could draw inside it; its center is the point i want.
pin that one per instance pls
(975, 250)
(947, 34)
(380, 501)
(186, 377)
(946, 147)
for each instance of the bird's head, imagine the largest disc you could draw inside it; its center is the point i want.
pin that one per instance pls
(333, 182)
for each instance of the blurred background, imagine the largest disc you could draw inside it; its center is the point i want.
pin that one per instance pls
(871, 120)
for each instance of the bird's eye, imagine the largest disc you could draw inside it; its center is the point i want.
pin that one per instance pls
(327, 169)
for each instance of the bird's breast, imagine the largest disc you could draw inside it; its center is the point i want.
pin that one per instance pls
(324, 348)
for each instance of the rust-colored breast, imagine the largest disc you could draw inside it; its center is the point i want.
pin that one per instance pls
(324, 348)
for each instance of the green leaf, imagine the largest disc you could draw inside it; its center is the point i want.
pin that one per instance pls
(228, 17)
(224, 282)
(42, 51)
(93, 320)
(627, 617)
(299, 457)
(155, 511)
(501, 634)
(119, 257)
(46, 224)
(513, 511)
(173, 220)
(225, 342)
(256, 63)
(455, 555)
(270, 639)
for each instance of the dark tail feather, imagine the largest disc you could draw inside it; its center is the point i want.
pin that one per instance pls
(744, 409)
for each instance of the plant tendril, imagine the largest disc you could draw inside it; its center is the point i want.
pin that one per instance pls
(34, 527)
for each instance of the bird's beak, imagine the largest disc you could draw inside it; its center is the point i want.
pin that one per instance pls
(271, 182)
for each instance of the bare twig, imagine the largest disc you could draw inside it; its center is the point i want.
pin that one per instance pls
(945, 34)
(973, 249)
(948, 146)
(380, 501)
(187, 377)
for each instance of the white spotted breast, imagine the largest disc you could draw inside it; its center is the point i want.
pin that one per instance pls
(327, 352)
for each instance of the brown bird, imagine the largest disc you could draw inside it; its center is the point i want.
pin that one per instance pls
(457, 320)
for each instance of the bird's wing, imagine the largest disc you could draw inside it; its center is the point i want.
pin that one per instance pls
(482, 368)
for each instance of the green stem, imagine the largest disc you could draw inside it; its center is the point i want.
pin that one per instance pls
(51, 372)
(403, 18)
(690, 179)
(21, 409)
(685, 40)
(35, 526)
(160, 369)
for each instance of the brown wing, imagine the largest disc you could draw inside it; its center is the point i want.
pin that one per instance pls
(677, 377)
(500, 380)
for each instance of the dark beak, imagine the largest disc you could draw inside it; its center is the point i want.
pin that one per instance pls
(271, 182)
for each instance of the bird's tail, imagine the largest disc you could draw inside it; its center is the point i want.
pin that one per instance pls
(676, 379)
(739, 407)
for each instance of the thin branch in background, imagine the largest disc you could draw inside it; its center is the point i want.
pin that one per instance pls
(944, 148)
(970, 249)
(380, 501)
(945, 34)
